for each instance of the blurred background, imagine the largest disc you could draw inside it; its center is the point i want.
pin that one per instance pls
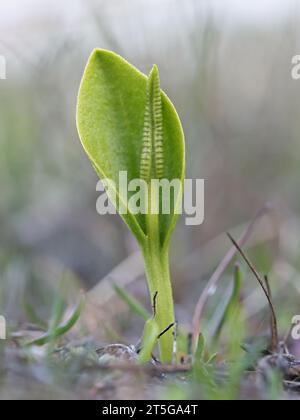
(226, 65)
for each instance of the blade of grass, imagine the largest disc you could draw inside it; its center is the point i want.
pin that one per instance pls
(134, 306)
(199, 355)
(273, 325)
(33, 317)
(61, 329)
(233, 303)
(201, 371)
(264, 288)
(57, 312)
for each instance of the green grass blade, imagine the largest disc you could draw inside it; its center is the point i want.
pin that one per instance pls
(33, 317)
(60, 330)
(233, 302)
(134, 306)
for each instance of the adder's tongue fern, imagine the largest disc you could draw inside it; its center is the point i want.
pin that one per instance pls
(125, 122)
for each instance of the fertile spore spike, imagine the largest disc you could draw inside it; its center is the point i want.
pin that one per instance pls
(152, 157)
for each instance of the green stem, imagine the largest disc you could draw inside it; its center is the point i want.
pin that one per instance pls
(158, 276)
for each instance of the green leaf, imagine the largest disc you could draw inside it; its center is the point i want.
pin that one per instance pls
(116, 103)
(151, 332)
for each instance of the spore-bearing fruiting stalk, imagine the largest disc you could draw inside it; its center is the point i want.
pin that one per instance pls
(155, 256)
(152, 157)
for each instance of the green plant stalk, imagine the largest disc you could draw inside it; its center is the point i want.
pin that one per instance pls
(157, 272)
(156, 261)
